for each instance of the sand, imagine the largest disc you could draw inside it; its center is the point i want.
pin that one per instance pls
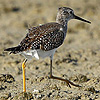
(78, 59)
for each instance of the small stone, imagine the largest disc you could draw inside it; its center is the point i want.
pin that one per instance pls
(35, 90)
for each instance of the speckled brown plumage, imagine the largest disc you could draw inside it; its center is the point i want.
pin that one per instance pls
(45, 37)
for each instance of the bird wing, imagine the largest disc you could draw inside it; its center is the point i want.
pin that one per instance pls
(45, 37)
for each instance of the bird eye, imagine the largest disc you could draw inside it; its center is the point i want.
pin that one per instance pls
(71, 12)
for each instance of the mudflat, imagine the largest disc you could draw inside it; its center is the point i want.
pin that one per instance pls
(78, 59)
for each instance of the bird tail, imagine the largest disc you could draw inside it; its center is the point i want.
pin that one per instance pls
(14, 50)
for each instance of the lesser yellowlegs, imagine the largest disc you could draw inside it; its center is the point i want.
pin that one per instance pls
(42, 41)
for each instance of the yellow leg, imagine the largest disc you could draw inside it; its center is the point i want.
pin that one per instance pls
(23, 68)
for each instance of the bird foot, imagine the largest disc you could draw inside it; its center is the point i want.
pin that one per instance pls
(69, 83)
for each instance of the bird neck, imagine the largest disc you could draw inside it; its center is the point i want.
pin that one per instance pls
(62, 21)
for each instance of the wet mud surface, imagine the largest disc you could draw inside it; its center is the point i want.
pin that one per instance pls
(78, 59)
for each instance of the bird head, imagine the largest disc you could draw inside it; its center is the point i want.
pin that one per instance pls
(67, 13)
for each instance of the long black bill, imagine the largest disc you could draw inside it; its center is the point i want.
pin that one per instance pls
(79, 18)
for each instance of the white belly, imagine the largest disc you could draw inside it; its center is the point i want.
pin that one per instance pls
(38, 54)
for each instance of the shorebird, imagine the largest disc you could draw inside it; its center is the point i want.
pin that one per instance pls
(42, 41)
